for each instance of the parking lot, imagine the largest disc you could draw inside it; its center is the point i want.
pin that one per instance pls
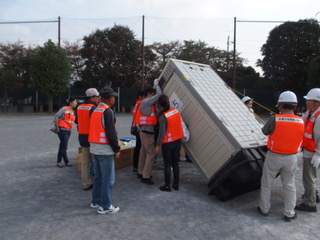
(41, 201)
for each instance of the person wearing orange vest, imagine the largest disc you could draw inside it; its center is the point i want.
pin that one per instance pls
(64, 120)
(140, 96)
(169, 138)
(147, 121)
(83, 114)
(285, 131)
(311, 151)
(104, 147)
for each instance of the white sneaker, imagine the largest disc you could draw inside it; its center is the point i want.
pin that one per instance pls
(112, 209)
(94, 205)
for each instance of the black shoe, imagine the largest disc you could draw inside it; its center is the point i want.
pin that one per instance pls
(175, 187)
(289, 219)
(139, 176)
(305, 208)
(165, 188)
(262, 213)
(88, 188)
(147, 181)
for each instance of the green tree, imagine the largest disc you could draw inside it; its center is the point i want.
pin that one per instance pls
(15, 68)
(314, 73)
(200, 52)
(112, 57)
(164, 51)
(50, 71)
(288, 52)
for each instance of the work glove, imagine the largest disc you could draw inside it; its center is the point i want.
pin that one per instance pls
(155, 82)
(315, 160)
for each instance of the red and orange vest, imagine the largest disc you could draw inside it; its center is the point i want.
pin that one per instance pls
(288, 134)
(135, 110)
(308, 141)
(144, 119)
(68, 120)
(174, 126)
(97, 132)
(83, 117)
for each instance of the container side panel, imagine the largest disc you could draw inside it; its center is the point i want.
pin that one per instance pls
(208, 146)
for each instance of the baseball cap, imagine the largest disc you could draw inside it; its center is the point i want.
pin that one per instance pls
(92, 92)
(107, 92)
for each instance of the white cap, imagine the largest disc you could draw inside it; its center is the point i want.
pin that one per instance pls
(287, 97)
(92, 92)
(313, 94)
(246, 98)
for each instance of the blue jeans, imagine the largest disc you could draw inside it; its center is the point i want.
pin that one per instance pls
(64, 136)
(104, 178)
(171, 156)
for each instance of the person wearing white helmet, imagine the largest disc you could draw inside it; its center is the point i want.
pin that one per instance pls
(311, 151)
(248, 101)
(285, 134)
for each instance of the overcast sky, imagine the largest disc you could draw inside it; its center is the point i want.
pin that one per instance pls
(211, 21)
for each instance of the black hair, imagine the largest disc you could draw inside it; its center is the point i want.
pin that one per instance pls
(289, 106)
(163, 102)
(246, 102)
(70, 100)
(150, 91)
(141, 93)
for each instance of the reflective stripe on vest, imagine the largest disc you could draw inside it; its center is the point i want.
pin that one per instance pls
(68, 120)
(97, 132)
(287, 135)
(147, 120)
(308, 141)
(83, 116)
(174, 129)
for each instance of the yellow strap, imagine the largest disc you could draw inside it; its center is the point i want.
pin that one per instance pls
(269, 110)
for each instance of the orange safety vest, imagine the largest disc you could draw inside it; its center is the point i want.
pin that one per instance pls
(135, 110)
(83, 116)
(68, 120)
(288, 134)
(308, 141)
(146, 120)
(174, 126)
(97, 132)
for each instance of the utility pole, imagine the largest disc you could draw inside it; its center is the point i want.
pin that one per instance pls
(234, 54)
(228, 56)
(59, 37)
(142, 50)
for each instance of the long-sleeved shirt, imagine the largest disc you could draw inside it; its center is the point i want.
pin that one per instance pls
(145, 108)
(162, 129)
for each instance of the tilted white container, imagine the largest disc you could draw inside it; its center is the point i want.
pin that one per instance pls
(226, 141)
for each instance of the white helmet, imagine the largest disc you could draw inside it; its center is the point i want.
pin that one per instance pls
(246, 98)
(287, 97)
(313, 94)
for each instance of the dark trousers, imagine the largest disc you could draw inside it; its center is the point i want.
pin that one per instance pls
(171, 156)
(64, 136)
(136, 152)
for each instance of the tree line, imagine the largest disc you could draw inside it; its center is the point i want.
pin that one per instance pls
(113, 57)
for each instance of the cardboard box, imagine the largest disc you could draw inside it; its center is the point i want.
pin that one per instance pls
(125, 160)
